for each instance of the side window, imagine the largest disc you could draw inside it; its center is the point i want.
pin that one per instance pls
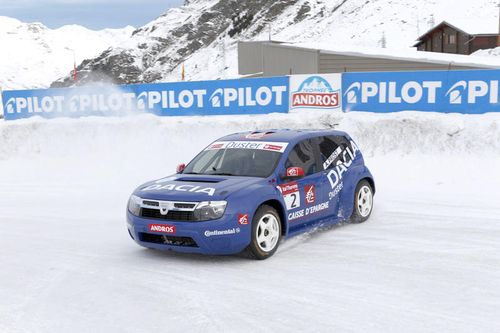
(302, 156)
(331, 148)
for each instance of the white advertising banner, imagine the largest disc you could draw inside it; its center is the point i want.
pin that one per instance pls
(316, 92)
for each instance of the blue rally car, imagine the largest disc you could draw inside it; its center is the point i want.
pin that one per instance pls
(247, 191)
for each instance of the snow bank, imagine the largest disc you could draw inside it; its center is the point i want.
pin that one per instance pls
(492, 53)
(158, 139)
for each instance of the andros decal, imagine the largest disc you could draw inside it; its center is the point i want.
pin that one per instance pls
(316, 91)
(162, 228)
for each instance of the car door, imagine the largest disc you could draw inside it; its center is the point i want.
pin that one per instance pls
(334, 165)
(303, 196)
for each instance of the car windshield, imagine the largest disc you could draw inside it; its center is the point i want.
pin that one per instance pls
(234, 162)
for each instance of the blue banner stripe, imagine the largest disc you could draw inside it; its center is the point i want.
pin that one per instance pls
(467, 92)
(224, 97)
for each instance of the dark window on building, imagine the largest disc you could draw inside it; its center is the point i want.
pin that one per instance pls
(302, 156)
(452, 39)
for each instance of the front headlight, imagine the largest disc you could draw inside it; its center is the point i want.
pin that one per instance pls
(209, 210)
(134, 205)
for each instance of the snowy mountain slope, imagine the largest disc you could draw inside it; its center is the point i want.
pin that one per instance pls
(33, 55)
(204, 33)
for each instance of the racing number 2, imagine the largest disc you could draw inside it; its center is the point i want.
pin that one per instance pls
(291, 195)
(294, 201)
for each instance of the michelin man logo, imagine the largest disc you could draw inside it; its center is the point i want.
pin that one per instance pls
(456, 91)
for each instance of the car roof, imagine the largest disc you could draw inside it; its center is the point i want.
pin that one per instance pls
(280, 135)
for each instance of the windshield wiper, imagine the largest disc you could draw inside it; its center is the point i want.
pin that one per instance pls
(190, 173)
(221, 174)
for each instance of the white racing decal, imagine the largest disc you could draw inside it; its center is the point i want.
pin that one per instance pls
(332, 157)
(335, 175)
(180, 188)
(336, 190)
(269, 146)
(308, 211)
(291, 195)
(233, 231)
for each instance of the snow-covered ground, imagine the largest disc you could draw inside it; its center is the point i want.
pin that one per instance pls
(427, 260)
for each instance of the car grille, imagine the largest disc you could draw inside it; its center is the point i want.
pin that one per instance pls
(168, 240)
(177, 211)
(173, 215)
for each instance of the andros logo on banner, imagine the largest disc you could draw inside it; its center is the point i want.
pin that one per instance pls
(315, 91)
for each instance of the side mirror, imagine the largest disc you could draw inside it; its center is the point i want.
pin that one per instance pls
(294, 172)
(180, 168)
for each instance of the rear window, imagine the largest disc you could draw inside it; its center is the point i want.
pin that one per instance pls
(331, 149)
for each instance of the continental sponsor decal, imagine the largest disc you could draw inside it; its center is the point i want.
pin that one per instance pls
(232, 231)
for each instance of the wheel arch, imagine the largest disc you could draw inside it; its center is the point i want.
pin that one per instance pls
(281, 212)
(370, 181)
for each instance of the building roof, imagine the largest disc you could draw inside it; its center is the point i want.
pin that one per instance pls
(408, 54)
(483, 26)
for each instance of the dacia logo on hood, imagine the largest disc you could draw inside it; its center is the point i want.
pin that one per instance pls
(180, 188)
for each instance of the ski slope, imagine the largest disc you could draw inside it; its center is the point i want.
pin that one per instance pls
(427, 260)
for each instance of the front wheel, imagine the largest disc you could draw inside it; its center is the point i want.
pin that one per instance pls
(363, 202)
(266, 233)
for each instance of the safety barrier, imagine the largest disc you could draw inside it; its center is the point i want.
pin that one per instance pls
(467, 92)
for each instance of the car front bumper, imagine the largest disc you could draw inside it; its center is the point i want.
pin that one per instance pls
(217, 237)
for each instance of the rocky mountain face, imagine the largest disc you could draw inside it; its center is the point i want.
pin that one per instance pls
(160, 46)
(33, 56)
(203, 34)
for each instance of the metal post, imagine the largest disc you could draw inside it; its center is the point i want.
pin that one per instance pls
(498, 38)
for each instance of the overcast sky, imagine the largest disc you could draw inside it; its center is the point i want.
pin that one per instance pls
(93, 14)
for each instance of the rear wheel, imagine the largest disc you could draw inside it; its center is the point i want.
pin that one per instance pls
(363, 202)
(266, 233)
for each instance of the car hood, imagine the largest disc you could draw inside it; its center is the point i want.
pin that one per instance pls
(195, 187)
